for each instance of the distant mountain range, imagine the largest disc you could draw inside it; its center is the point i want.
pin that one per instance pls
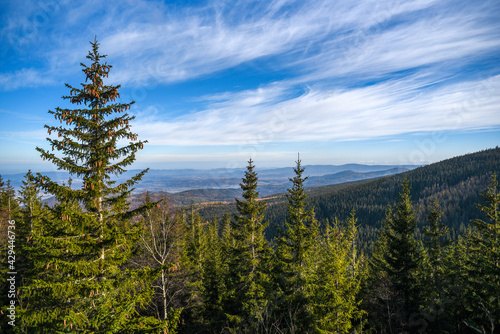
(271, 180)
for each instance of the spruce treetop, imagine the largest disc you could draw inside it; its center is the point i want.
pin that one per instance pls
(88, 141)
(83, 245)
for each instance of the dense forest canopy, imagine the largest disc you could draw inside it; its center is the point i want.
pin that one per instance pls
(414, 252)
(455, 183)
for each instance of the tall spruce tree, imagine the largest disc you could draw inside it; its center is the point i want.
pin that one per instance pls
(379, 295)
(404, 255)
(246, 301)
(296, 258)
(395, 269)
(192, 268)
(81, 283)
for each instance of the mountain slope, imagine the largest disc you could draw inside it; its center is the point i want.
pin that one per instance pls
(349, 176)
(455, 182)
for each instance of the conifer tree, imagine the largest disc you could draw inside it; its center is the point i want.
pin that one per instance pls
(81, 283)
(9, 206)
(11, 240)
(192, 268)
(396, 265)
(403, 257)
(213, 274)
(31, 201)
(483, 263)
(456, 288)
(296, 258)
(246, 302)
(435, 298)
(32, 213)
(379, 295)
(336, 305)
(227, 239)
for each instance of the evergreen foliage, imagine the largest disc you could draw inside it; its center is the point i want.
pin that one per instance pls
(455, 183)
(483, 263)
(296, 256)
(192, 267)
(12, 232)
(434, 266)
(336, 306)
(214, 270)
(80, 249)
(248, 280)
(398, 261)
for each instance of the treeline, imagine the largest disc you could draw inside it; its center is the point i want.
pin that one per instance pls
(90, 264)
(455, 182)
(222, 276)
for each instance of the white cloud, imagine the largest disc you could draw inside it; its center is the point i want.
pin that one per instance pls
(27, 77)
(436, 41)
(151, 43)
(385, 109)
(328, 46)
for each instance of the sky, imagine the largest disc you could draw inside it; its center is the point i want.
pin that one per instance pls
(218, 82)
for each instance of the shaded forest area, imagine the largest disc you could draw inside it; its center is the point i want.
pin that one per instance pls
(90, 264)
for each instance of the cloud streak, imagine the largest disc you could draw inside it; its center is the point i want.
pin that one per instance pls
(380, 110)
(348, 70)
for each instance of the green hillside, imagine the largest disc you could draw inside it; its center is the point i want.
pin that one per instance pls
(455, 182)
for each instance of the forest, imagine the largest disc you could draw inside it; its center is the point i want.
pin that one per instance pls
(456, 183)
(411, 253)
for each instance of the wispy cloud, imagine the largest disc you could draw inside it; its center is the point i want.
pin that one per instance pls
(25, 78)
(384, 109)
(152, 43)
(441, 42)
(343, 55)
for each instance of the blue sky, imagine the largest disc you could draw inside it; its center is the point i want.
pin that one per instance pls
(215, 82)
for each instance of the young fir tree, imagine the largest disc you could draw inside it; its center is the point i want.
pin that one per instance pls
(435, 298)
(31, 201)
(192, 268)
(403, 257)
(296, 259)
(245, 302)
(392, 291)
(483, 263)
(336, 306)
(81, 284)
(213, 274)
(32, 213)
(458, 293)
(379, 296)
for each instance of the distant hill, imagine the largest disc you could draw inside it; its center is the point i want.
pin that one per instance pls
(271, 180)
(349, 176)
(188, 197)
(455, 182)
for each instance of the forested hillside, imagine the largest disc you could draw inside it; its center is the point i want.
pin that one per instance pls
(454, 182)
